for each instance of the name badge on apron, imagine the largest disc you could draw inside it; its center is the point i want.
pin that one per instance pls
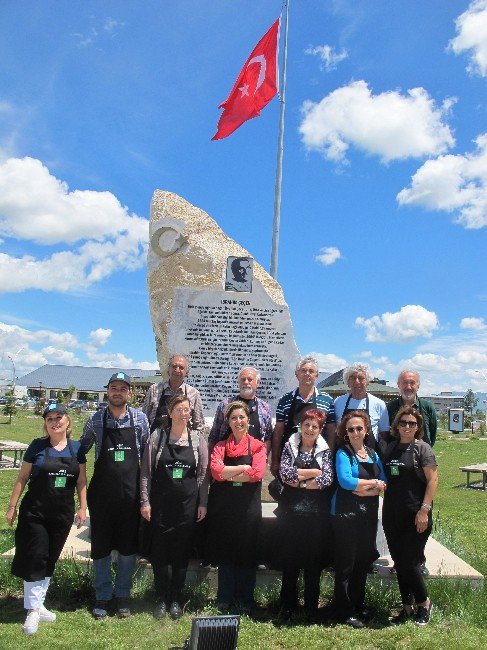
(177, 472)
(394, 470)
(60, 481)
(237, 484)
(119, 455)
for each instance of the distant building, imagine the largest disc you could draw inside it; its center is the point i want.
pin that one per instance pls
(89, 382)
(445, 401)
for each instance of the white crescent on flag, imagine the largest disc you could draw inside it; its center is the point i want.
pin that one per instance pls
(261, 60)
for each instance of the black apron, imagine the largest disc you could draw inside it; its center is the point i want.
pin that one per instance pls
(363, 511)
(348, 504)
(161, 418)
(173, 499)
(296, 411)
(47, 506)
(372, 441)
(234, 518)
(405, 490)
(113, 493)
(302, 530)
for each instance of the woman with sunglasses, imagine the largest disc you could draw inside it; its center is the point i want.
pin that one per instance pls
(412, 477)
(354, 510)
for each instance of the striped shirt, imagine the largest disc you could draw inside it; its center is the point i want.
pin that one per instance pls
(324, 402)
(155, 392)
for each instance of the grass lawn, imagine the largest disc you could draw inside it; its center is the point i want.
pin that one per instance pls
(459, 620)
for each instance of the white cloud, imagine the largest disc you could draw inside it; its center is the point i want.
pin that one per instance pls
(38, 347)
(328, 256)
(112, 25)
(477, 324)
(366, 354)
(36, 206)
(471, 36)
(99, 337)
(389, 125)
(329, 57)
(453, 183)
(328, 362)
(401, 326)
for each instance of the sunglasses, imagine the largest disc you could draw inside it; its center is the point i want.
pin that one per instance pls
(357, 429)
(410, 424)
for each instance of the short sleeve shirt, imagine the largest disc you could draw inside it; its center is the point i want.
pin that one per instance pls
(36, 453)
(324, 402)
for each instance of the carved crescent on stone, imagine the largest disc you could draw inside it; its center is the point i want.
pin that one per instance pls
(155, 241)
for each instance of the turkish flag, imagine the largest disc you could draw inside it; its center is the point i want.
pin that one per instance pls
(256, 85)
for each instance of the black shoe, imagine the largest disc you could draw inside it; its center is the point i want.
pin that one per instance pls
(354, 621)
(175, 611)
(401, 618)
(286, 615)
(424, 570)
(423, 614)
(100, 610)
(123, 607)
(159, 610)
(365, 615)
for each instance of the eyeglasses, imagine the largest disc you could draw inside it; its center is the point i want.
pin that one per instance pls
(182, 410)
(357, 429)
(410, 424)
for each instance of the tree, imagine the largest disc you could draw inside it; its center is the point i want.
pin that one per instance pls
(71, 392)
(469, 403)
(60, 397)
(10, 407)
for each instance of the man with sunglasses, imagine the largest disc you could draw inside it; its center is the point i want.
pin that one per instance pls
(158, 396)
(408, 383)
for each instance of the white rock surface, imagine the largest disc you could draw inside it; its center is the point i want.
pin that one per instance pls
(192, 314)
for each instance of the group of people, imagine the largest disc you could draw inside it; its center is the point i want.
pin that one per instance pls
(157, 476)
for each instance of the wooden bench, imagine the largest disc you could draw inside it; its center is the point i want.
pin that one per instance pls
(480, 468)
(18, 449)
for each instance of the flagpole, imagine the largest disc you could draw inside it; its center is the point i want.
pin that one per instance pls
(280, 151)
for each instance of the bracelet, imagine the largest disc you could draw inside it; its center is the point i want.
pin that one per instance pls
(426, 506)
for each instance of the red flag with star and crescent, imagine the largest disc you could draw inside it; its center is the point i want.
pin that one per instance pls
(256, 85)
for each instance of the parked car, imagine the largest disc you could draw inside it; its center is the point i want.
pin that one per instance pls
(78, 404)
(3, 400)
(101, 405)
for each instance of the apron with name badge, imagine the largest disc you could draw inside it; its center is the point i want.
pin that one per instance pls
(234, 518)
(113, 493)
(47, 505)
(173, 499)
(405, 490)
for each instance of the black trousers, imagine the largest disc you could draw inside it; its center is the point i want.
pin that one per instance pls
(406, 547)
(289, 589)
(354, 552)
(165, 553)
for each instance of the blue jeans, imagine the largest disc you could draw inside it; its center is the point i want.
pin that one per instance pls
(102, 580)
(235, 585)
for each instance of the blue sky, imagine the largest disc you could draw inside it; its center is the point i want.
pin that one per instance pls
(384, 204)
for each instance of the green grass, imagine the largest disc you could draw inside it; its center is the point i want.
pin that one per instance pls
(459, 619)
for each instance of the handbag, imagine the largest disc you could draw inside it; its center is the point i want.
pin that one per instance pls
(275, 488)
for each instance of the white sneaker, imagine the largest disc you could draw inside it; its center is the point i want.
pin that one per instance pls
(46, 615)
(32, 621)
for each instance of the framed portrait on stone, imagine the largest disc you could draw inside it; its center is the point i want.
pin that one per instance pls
(239, 274)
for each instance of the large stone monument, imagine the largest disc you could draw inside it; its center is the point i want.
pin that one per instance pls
(212, 302)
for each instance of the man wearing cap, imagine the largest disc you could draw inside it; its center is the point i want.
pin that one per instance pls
(158, 396)
(113, 493)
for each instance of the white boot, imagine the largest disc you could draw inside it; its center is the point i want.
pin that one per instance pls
(32, 621)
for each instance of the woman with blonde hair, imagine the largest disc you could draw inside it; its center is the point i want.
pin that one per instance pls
(53, 467)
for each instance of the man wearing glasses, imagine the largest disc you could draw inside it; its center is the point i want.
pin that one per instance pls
(158, 396)
(408, 383)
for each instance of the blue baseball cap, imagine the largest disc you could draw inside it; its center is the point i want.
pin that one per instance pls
(56, 408)
(120, 376)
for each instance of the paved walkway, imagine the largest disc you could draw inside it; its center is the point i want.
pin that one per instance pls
(439, 560)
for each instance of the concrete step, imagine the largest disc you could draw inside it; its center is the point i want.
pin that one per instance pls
(440, 561)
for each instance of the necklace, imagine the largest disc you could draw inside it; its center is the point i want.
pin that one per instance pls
(362, 453)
